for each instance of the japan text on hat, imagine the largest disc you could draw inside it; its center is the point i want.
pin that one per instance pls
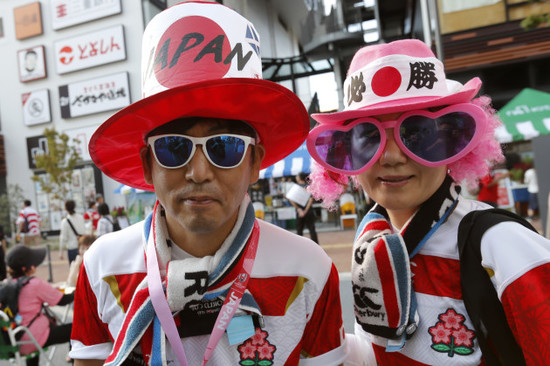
(199, 59)
(397, 77)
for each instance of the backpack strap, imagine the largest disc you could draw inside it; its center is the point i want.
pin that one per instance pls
(494, 335)
(72, 227)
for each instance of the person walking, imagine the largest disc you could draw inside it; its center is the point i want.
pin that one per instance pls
(72, 228)
(91, 218)
(530, 178)
(408, 136)
(305, 213)
(105, 223)
(201, 280)
(28, 224)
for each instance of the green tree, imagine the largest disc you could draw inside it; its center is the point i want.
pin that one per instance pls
(58, 163)
(10, 204)
(535, 20)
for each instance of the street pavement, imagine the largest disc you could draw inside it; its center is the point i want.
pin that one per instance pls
(336, 243)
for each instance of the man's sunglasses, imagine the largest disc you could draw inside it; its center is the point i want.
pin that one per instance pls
(429, 138)
(223, 151)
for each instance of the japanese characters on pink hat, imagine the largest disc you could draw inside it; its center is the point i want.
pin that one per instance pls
(394, 77)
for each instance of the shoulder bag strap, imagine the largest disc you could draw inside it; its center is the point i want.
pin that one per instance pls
(494, 335)
(72, 227)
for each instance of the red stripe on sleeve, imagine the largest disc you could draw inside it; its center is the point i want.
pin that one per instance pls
(526, 302)
(87, 327)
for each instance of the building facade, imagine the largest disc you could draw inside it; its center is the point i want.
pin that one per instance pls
(69, 65)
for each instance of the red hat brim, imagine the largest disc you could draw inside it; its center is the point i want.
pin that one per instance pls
(465, 94)
(277, 115)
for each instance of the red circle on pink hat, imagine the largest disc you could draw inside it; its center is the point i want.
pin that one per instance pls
(192, 49)
(386, 81)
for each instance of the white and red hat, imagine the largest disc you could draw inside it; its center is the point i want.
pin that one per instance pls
(396, 77)
(199, 59)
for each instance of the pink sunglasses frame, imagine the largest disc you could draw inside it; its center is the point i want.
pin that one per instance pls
(473, 110)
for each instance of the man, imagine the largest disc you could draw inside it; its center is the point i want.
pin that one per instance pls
(306, 215)
(28, 224)
(238, 290)
(91, 217)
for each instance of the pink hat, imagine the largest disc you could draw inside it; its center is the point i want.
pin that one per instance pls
(396, 77)
(199, 59)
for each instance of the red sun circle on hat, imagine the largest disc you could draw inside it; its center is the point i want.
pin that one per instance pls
(386, 81)
(195, 56)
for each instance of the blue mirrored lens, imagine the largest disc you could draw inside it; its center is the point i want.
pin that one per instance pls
(226, 151)
(173, 151)
(440, 138)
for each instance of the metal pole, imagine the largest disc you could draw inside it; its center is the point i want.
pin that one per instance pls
(426, 29)
(50, 279)
(434, 11)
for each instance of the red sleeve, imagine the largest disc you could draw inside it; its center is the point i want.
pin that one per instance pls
(324, 331)
(526, 302)
(87, 326)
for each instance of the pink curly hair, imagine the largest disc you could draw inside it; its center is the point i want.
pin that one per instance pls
(328, 186)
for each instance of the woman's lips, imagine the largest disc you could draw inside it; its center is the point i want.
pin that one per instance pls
(395, 180)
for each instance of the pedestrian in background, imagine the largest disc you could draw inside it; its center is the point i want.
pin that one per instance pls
(305, 215)
(22, 261)
(84, 243)
(105, 223)
(28, 224)
(3, 250)
(488, 187)
(72, 228)
(91, 217)
(530, 178)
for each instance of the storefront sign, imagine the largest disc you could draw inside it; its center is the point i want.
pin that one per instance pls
(450, 6)
(36, 107)
(90, 49)
(66, 13)
(32, 64)
(28, 20)
(80, 137)
(93, 96)
(36, 145)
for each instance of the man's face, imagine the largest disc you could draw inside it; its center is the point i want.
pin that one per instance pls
(200, 198)
(30, 61)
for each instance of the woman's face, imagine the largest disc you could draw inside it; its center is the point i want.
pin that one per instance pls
(398, 183)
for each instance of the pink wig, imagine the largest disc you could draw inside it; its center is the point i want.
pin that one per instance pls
(327, 186)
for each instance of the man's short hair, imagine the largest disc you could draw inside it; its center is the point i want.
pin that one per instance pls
(182, 125)
(27, 202)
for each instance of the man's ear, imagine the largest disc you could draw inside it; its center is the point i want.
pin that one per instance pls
(146, 164)
(259, 153)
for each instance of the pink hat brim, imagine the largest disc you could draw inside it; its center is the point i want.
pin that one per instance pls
(465, 94)
(278, 116)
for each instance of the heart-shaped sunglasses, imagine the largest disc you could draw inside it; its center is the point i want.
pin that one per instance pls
(429, 138)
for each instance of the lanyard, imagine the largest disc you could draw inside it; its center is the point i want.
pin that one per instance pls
(227, 311)
(433, 229)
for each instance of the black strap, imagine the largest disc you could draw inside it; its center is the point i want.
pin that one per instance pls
(494, 335)
(72, 227)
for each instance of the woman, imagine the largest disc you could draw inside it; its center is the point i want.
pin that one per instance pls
(105, 223)
(407, 136)
(22, 261)
(72, 228)
(84, 243)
